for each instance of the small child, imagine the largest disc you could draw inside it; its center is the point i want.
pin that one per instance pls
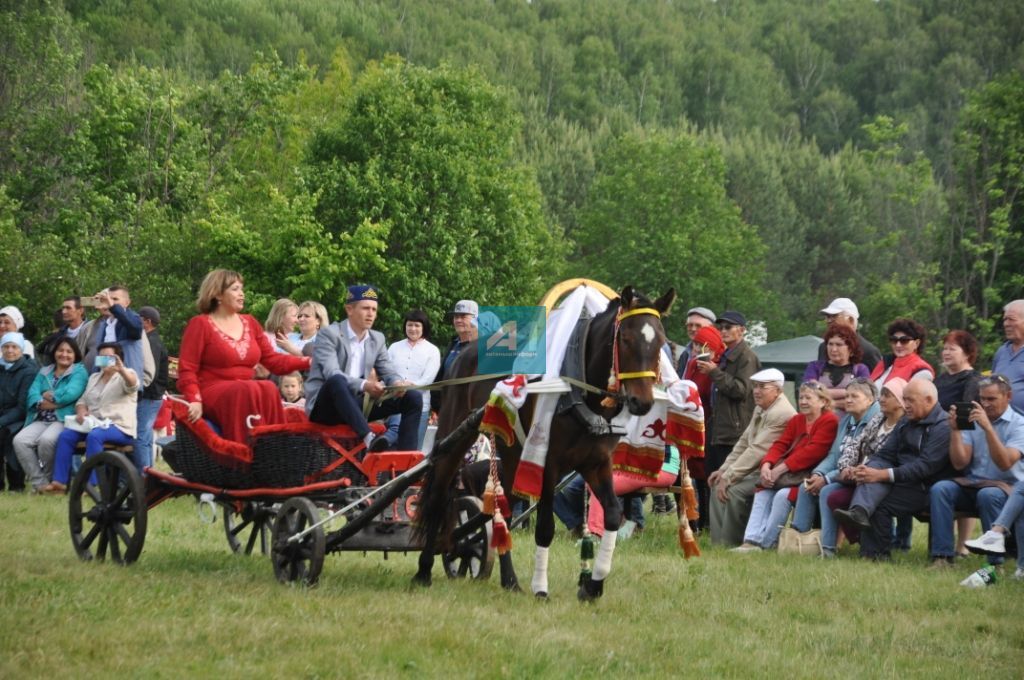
(291, 390)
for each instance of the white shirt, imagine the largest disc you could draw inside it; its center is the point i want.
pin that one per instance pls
(356, 353)
(417, 363)
(110, 330)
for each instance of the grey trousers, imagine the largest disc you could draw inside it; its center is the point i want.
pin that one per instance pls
(729, 519)
(35, 446)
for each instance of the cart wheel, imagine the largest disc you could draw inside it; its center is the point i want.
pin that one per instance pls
(111, 516)
(255, 517)
(302, 560)
(473, 555)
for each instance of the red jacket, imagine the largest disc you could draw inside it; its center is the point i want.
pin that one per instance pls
(902, 367)
(811, 446)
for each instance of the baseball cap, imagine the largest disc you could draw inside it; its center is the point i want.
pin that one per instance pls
(465, 307)
(733, 317)
(842, 306)
(150, 313)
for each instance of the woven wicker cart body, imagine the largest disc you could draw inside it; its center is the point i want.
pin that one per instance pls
(278, 456)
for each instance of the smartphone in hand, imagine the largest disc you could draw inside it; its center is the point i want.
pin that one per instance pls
(963, 415)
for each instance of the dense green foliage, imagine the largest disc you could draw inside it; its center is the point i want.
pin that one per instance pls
(871, 149)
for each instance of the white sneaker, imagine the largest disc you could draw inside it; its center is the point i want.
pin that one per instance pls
(1019, 574)
(745, 548)
(990, 543)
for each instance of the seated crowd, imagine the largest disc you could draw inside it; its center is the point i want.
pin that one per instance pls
(876, 439)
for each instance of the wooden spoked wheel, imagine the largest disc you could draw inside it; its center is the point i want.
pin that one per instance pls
(471, 556)
(254, 522)
(297, 561)
(107, 518)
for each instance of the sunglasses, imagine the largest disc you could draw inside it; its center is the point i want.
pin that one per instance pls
(724, 326)
(901, 339)
(993, 379)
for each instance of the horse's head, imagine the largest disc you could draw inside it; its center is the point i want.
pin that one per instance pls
(639, 337)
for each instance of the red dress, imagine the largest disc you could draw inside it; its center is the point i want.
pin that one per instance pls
(217, 370)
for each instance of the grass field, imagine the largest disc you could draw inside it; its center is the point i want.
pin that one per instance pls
(190, 608)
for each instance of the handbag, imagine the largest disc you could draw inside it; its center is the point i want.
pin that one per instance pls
(88, 424)
(793, 542)
(790, 478)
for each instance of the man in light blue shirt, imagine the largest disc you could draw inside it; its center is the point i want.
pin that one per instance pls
(1009, 358)
(990, 454)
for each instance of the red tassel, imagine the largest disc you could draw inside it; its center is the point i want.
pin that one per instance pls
(489, 500)
(687, 542)
(503, 505)
(501, 539)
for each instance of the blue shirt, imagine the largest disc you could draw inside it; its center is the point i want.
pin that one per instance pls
(1009, 429)
(1011, 364)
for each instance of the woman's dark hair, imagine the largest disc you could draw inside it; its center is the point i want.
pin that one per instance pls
(420, 316)
(847, 335)
(911, 328)
(116, 346)
(966, 342)
(65, 340)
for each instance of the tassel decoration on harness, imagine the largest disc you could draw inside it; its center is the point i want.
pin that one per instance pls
(501, 538)
(687, 541)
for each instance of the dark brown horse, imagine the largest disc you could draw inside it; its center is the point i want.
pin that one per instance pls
(633, 324)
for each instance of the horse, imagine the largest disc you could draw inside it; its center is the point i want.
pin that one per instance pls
(630, 328)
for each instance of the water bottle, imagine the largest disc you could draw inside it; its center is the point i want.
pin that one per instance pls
(985, 576)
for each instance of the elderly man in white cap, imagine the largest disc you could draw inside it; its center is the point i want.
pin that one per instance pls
(732, 485)
(843, 312)
(12, 321)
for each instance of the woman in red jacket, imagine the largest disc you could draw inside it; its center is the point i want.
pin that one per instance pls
(219, 351)
(804, 443)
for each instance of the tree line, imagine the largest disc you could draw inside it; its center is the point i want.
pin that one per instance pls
(764, 156)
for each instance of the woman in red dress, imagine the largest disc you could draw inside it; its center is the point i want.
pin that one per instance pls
(219, 351)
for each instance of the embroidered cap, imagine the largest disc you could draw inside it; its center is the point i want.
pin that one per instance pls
(360, 293)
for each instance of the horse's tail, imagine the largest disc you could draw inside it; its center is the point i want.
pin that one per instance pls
(432, 514)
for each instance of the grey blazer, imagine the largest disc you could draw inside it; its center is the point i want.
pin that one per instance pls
(330, 358)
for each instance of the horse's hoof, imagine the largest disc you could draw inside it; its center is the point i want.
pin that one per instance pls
(421, 580)
(542, 595)
(512, 587)
(590, 589)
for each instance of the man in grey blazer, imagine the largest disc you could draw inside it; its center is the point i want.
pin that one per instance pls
(344, 356)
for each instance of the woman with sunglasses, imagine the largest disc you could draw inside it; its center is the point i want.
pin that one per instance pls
(803, 444)
(841, 366)
(906, 338)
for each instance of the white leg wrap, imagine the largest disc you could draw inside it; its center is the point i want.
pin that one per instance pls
(603, 561)
(539, 584)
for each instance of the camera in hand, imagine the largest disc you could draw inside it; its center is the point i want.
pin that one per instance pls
(105, 360)
(963, 415)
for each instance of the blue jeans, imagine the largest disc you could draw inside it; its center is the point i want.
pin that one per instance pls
(393, 423)
(146, 413)
(94, 442)
(767, 517)
(1012, 518)
(806, 509)
(945, 498)
(568, 503)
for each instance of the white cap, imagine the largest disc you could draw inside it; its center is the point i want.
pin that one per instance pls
(15, 314)
(769, 375)
(842, 306)
(465, 307)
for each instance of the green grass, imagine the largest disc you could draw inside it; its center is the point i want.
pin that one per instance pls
(189, 607)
